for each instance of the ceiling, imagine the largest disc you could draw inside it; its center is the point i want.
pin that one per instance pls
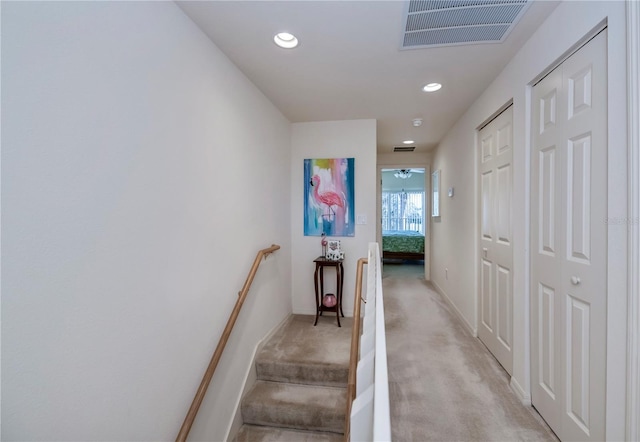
(349, 64)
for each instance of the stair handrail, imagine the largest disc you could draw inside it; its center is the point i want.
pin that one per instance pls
(217, 354)
(355, 347)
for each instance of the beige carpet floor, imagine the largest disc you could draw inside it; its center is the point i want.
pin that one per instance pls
(444, 385)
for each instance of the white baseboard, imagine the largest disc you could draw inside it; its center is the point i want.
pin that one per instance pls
(521, 394)
(249, 380)
(473, 331)
(517, 389)
(304, 311)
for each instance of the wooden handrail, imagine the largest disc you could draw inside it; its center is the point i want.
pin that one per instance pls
(206, 379)
(355, 347)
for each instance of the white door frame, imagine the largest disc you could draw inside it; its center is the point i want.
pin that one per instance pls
(427, 209)
(633, 196)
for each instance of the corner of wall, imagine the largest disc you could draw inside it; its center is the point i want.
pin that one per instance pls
(331, 139)
(470, 328)
(521, 394)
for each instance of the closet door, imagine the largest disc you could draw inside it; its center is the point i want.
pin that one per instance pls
(568, 244)
(496, 258)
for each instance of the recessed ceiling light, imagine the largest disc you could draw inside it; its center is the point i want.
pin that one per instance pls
(408, 141)
(432, 87)
(285, 40)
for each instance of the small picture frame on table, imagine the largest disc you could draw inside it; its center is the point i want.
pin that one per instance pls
(334, 252)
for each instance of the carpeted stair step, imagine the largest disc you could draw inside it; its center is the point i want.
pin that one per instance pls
(254, 433)
(294, 406)
(314, 373)
(303, 354)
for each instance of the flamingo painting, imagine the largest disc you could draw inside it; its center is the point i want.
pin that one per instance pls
(329, 197)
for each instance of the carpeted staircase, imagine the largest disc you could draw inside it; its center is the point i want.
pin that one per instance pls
(300, 394)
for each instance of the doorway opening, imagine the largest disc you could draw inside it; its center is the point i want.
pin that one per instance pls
(403, 219)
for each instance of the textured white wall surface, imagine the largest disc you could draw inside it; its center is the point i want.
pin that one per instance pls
(454, 235)
(141, 173)
(334, 139)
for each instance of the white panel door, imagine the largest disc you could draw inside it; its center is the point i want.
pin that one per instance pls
(495, 291)
(568, 244)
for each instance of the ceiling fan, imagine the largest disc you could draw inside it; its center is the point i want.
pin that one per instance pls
(403, 173)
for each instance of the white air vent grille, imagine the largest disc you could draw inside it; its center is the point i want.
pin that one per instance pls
(404, 148)
(453, 22)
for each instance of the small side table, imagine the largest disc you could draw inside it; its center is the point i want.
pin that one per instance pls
(318, 278)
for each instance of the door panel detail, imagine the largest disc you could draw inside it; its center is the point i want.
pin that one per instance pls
(547, 192)
(578, 361)
(487, 320)
(487, 218)
(579, 92)
(504, 138)
(546, 339)
(548, 111)
(503, 322)
(579, 197)
(487, 149)
(503, 189)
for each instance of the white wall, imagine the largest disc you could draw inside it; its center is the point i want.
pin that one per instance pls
(333, 139)
(454, 238)
(141, 173)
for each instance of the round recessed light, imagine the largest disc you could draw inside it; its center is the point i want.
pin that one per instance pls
(432, 87)
(285, 40)
(408, 141)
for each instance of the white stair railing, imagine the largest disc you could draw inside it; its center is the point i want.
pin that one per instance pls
(370, 415)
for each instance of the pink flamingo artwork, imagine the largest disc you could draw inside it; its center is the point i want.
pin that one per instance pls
(328, 198)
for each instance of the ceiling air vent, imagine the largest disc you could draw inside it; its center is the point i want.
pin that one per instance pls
(432, 23)
(404, 148)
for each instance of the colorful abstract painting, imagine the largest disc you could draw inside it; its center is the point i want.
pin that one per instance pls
(329, 197)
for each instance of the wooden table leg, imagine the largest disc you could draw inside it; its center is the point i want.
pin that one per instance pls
(341, 283)
(338, 293)
(318, 299)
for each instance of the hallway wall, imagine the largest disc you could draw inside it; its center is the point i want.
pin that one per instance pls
(141, 173)
(454, 237)
(331, 139)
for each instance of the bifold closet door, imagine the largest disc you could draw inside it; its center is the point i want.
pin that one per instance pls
(568, 244)
(496, 249)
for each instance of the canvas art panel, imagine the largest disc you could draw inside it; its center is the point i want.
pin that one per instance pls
(329, 197)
